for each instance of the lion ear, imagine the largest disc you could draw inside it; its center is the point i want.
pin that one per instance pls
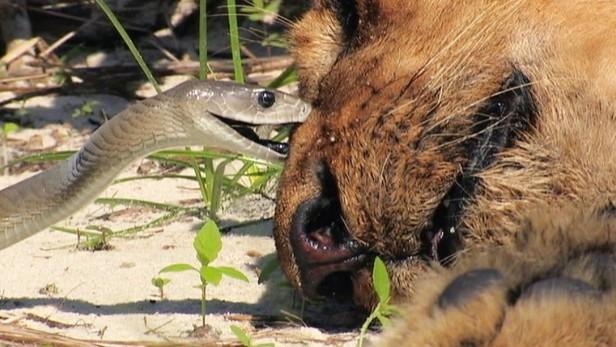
(319, 38)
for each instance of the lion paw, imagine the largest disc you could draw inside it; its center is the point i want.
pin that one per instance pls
(554, 286)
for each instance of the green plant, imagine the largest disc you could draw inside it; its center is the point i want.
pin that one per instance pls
(9, 127)
(160, 283)
(210, 175)
(210, 178)
(207, 244)
(96, 242)
(383, 310)
(86, 109)
(97, 236)
(246, 340)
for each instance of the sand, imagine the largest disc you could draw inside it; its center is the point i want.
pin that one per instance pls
(47, 283)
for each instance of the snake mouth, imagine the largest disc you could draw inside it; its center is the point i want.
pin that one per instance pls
(251, 133)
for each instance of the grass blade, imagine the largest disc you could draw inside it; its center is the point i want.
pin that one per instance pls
(217, 184)
(235, 42)
(200, 181)
(129, 43)
(166, 219)
(289, 75)
(203, 69)
(154, 177)
(39, 158)
(208, 165)
(141, 203)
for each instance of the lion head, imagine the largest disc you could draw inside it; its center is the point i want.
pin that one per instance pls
(433, 126)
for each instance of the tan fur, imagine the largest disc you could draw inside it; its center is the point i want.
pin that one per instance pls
(392, 105)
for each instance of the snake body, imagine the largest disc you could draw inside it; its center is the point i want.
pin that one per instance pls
(189, 114)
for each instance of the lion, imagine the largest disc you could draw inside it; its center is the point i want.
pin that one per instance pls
(470, 145)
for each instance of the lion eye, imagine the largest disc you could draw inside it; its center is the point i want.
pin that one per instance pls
(266, 99)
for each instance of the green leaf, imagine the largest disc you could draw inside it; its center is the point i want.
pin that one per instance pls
(208, 242)
(265, 345)
(9, 127)
(177, 268)
(241, 335)
(202, 260)
(160, 282)
(211, 275)
(380, 280)
(233, 273)
(270, 265)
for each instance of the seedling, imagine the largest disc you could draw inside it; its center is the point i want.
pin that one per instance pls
(9, 127)
(94, 244)
(383, 310)
(207, 244)
(160, 283)
(246, 340)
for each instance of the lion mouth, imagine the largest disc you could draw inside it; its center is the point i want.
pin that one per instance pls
(443, 239)
(334, 265)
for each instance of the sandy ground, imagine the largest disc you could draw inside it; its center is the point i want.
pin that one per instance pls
(47, 284)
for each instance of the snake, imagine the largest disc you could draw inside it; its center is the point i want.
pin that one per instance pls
(207, 113)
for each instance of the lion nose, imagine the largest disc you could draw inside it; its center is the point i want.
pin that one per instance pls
(322, 246)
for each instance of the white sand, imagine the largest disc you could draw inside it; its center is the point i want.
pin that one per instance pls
(107, 295)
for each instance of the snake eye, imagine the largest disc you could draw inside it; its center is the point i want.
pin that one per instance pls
(266, 99)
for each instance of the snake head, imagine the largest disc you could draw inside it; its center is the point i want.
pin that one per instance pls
(233, 111)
